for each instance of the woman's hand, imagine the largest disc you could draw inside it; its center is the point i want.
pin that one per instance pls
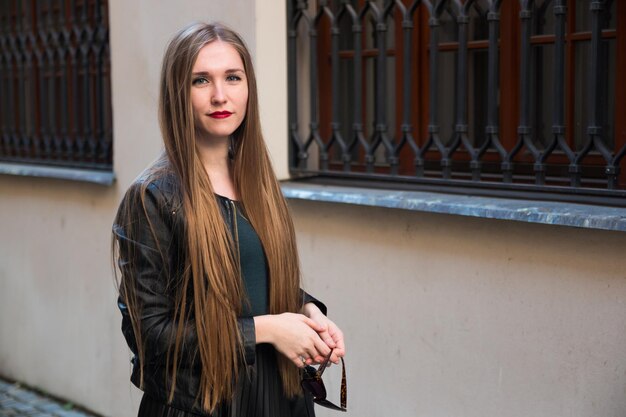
(331, 334)
(294, 335)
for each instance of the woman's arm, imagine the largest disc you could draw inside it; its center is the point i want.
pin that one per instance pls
(145, 240)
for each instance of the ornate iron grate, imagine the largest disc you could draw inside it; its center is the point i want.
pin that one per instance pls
(55, 93)
(446, 95)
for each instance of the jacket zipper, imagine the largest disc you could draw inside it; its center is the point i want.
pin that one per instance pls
(235, 232)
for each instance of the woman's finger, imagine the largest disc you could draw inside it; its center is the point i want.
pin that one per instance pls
(313, 324)
(337, 336)
(328, 340)
(298, 361)
(317, 349)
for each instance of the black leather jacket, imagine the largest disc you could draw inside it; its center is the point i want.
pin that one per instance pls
(154, 259)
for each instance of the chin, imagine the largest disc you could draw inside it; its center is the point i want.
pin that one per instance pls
(221, 134)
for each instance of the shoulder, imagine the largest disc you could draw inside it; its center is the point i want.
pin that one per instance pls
(152, 200)
(161, 189)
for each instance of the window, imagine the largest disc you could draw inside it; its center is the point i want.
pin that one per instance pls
(499, 97)
(55, 99)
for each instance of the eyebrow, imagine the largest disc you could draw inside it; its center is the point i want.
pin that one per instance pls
(228, 71)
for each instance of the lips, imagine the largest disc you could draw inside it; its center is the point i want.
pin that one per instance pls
(220, 114)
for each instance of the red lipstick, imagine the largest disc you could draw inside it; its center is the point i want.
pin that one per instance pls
(220, 114)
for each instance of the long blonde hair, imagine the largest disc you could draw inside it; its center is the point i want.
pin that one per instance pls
(211, 268)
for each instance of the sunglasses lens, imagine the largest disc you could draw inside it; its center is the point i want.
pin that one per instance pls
(315, 387)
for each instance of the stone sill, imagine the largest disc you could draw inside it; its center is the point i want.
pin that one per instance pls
(72, 174)
(545, 212)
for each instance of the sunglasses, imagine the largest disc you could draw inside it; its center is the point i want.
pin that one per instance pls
(312, 382)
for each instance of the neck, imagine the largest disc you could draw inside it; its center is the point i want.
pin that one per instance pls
(214, 156)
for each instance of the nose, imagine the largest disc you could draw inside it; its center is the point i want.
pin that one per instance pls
(218, 97)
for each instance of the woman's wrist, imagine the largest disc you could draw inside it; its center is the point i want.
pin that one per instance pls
(263, 328)
(311, 310)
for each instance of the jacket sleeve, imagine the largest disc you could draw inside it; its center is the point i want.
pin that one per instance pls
(308, 298)
(145, 262)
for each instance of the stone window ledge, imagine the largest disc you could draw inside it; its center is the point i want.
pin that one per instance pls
(72, 174)
(532, 211)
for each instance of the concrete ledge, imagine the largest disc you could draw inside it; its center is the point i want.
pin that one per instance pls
(546, 212)
(72, 174)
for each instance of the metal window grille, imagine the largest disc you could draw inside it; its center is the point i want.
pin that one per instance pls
(55, 99)
(368, 105)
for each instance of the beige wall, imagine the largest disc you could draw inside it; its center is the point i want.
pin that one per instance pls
(455, 316)
(58, 328)
(271, 72)
(444, 315)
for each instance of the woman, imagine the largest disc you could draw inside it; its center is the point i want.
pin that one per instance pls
(210, 282)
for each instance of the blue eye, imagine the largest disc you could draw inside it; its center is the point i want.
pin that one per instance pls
(233, 78)
(199, 80)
